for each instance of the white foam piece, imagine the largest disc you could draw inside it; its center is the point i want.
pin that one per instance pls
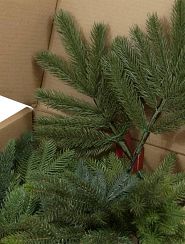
(9, 107)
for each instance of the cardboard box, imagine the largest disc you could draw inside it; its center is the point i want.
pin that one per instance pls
(25, 28)
(15, 119)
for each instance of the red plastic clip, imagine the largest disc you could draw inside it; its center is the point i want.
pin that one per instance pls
(120, 153)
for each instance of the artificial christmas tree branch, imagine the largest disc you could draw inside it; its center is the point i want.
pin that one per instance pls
(65, 200)
(123, 79)
(91, 83)
(53, 194)
(146, 134)
(122, 144)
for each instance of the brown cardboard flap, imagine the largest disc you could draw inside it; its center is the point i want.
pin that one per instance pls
(25, 29)
(15, 126)
(155, 155)
(174, 141)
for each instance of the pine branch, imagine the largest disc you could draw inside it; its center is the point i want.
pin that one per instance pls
(166, 166)
(178, 28)
(59, 101)
(133, 63)
(7, 158)
(122, 185)
(122, 144)
(158, 40)
(15, 204)
(72, 121)
(93, 201)
(72, 40)
(97, 50)
(108, 104)
(148, 66)
(146, 134)
(104, 236)
(125, 91)
(55, 66)
(80, 139)
(147, 70)
(166, 123)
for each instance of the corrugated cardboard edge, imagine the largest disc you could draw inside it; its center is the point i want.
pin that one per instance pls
(15, 126)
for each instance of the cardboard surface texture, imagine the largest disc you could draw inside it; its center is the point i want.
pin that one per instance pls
(25, 28)
(15, 119)
(154, 156)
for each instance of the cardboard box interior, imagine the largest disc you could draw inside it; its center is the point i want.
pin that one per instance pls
(30, 22)
(15, 126)
(25, 28)
(15, 119)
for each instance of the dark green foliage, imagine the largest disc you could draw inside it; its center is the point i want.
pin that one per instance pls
(106, 236)
(53, 196)
(24, 148)
(153, 202)
(83, 72)
(84, 199)
(178, 30)
(65, 201)
(123, 79)
(105, 203)
(125, 90)
(18, 208)
(60, 101)
(7, 158)
(15, 203)
(14, 156)
(68, 201)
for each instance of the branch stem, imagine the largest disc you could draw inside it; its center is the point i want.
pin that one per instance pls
(122, 144)
(146, 134)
